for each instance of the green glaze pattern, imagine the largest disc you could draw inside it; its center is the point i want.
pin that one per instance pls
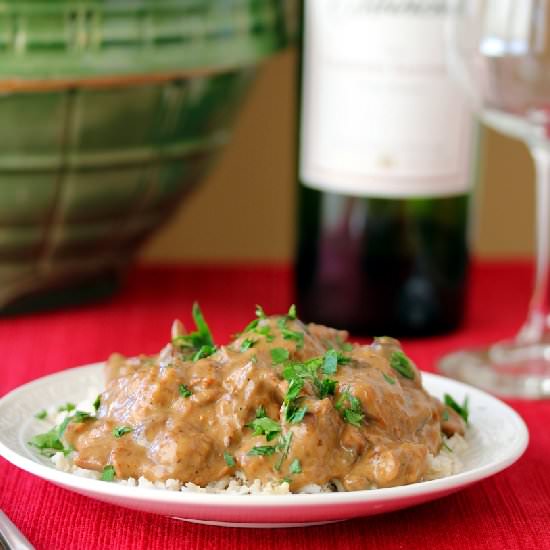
(88, 172)
(45, 38)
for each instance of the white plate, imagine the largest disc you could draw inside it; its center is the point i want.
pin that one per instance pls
(497, 438)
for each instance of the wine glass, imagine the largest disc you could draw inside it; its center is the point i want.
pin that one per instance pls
(499, 50)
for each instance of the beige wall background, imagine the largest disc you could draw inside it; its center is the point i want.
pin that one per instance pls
(244, 210)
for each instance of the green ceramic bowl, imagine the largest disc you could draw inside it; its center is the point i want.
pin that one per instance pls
(111, 111)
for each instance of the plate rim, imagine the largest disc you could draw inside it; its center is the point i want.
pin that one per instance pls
(208, 500)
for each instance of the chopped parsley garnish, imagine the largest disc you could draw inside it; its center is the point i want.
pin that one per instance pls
(354, 417)
(283, 447)
(294, 335)
(260, 412)
(262, 450)
(388, 379)
(445, 415)
(265, 426)
(295, 467)
(401, 363)
(247, 344)
(462, 410)
(279, 355)
(41, 414)
(265, 330)
(229, 459)
(295, 386)
(202, 352)
(80, 416)
(325, 387)
(330, 362)
(307, 370)
(291, 315)
(68, 407)
(353, 414)
(119, 431)
(185, 391)
(97, 402)
(251, 326)
(296, 373)
(295, 415)
(108, 473)
(445, 446)
(198, 344)
(48, 443)
(260, 313)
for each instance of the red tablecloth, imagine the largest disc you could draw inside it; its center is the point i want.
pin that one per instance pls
(509, 511)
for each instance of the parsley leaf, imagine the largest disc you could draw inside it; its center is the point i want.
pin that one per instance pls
(251, 326)
(260, 412)
(202, 352)
(265, 331)
(445, 415)
(279, 355)
(294, 414)
(283, 447)
(330, 362)
(108, 473)
(67, 407)
(326, 387)
(78, 416)
(97, 402)
(295, 467)
(41, 414)
(185, 391)
(388, 379)
(462, 410)
(295, 335)
(265, 426)
(401, 363)
(247, 344)
(262, 450)
(291, 315)
(294, 388)
(229, 459)
(353, 414)
(48, 443)
(354, 417)
(199, 344)
(119, 431)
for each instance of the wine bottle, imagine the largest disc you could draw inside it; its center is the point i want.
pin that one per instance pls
(384, 170)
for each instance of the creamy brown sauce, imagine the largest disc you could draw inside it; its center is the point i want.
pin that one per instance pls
(185, 437)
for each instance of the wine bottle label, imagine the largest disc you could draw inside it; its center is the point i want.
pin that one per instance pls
(380, 114)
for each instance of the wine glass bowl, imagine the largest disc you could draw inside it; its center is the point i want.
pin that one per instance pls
(499, 50)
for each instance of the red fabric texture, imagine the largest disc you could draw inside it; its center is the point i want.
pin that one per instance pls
(508, 511)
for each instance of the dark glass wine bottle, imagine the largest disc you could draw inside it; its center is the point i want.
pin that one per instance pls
(384, 171)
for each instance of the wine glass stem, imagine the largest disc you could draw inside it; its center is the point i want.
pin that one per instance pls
(537, 326)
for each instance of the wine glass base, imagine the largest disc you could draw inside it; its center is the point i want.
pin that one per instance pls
(521, 375)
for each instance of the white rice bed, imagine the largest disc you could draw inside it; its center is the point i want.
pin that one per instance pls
(446, 463)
